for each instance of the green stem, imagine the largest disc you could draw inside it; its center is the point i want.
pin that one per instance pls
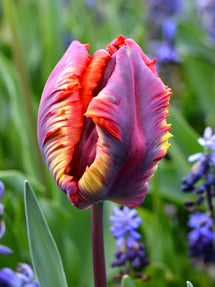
(98, 245)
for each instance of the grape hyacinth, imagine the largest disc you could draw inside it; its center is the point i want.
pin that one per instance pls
(201, 237)
(130, 253)
(201, 182)
(201, 178)
(23, 277)
(4, 250)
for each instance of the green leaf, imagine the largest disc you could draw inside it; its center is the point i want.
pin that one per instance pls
(45, 256)
(127, 282)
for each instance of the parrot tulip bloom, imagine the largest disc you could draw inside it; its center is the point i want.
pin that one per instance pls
(102, 123)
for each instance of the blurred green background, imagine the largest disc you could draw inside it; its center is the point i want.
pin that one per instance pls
(34, 34)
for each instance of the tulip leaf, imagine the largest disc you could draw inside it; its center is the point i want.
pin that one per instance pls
(127, 282)
(45, 255)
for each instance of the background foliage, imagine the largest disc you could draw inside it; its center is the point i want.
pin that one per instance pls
(34, 34)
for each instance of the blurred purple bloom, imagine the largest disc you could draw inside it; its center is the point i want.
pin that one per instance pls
(2, 189)
(208, 139)
(90, 3)
(8, 278)
(169, 28)
(160, 9)
(2, 228)
(124, 226)
(200, 220)
(206, 11)
(23, 277)
(4, 250)
(201, 237)
(197, 156)
(166, 53)
(1, 209)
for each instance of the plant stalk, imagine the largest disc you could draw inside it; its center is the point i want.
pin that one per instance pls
(98, 245)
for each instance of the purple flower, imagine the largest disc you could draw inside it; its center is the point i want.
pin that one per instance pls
(8, 278)
(201, 237)
(2, 189)
(23, 277)
(130, 250)
(160, 9)
(208, 139)
(204, 167)
(91, 3)
(200, 220)
(124, 226)
(166, 53)
(3, 249)
(169, 28)
(206, 11)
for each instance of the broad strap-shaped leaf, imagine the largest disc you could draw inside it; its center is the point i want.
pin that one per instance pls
(45, 255)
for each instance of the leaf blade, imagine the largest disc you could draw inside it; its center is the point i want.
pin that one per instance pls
(45, 255)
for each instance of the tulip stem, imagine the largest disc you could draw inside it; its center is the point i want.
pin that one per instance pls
(98, 245)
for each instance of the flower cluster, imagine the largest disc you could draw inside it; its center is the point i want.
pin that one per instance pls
(131, 253)
(164, 15)
(166, 52)
(3, 249)
(201, 237)
(24, 276)
(201, 178)
(206, 11)
(201, 182)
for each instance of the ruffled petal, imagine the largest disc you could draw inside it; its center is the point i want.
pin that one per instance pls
(60, 117)
(61, 122)
(130, 116)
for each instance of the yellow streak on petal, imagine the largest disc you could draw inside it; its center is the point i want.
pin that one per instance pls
(95, 178)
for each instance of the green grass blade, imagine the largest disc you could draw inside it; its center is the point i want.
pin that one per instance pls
(45, 256)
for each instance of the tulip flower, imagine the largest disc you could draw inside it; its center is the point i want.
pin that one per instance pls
(102, 129)
(102, 123)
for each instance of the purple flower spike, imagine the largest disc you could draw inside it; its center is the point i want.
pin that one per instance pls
(130, 250)
(125, 223)
(201, 237)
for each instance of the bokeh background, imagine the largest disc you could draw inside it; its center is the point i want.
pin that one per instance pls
(34, 34)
